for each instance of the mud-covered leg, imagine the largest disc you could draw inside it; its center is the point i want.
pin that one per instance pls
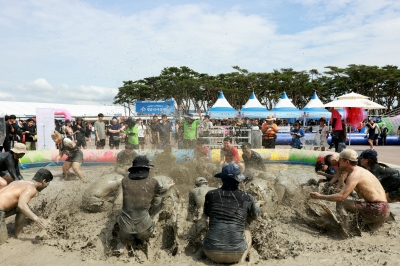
(20, 219)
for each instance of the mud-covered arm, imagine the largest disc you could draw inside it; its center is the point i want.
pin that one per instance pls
(338, 197)
(23, 201)
(12, 168)
(191, 206)
(165, 188)
(253, 210)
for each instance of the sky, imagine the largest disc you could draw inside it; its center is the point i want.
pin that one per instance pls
(80, 52)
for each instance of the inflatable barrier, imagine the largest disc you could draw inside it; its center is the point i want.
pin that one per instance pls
(355, 138)
(48, 157)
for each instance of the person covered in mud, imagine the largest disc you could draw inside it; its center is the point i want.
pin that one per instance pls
(197, 197)
(252, 161)
(228, 239)
(389, 177)
(375, 208)
(328, 168)
(75, 155)
(14, 199)
(138, 192)
(124, 159)
(201, 152)
(9, 161)
(229, 153)
(102, 194)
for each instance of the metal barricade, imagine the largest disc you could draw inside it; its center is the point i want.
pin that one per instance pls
(215, 135)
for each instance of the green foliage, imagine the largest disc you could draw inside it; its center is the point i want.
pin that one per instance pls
(190, 88)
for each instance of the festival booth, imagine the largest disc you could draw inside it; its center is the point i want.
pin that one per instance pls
(284, 109)
(254, 109)
(220, 110)
(355, 106)
(315, 109)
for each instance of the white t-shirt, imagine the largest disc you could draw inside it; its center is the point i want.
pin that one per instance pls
(141, 130)
(323, 132)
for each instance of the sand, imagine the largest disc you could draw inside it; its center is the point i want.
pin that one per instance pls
(287, 234)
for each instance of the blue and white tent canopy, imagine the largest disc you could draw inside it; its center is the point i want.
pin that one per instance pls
(253, 108)
(285, 109)
(315, 109)
(221, 108)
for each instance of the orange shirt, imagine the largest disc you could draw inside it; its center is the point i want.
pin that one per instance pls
(269, 131)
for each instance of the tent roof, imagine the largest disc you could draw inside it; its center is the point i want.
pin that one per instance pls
(284, 102)
(315, 102)
(221, 102)
(28, 109)
(253, 102)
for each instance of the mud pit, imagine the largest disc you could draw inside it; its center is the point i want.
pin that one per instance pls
(281, 236)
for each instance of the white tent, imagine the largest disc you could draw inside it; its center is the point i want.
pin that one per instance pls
(222, 108)
(315, 108)
(354, 100)
(28, 109)
(285, 108)
(253, 108)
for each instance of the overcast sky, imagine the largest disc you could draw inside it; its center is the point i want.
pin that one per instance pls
(79, 52)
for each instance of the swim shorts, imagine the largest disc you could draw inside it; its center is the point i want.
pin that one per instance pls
(373, 212)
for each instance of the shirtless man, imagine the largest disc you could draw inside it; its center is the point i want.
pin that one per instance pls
(14, 199)
(9, 162)
(375, 209)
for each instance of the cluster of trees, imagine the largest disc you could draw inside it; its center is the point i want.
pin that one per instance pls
(190, 88)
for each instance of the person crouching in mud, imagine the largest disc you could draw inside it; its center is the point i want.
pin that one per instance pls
(75, 155)
(124, 159)
(228, 239)
(375, 208)
(9, 162)
(138, 192)
(14, 199)
(197, 198)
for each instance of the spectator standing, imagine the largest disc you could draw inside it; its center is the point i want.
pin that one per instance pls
(371, 133)
(323, 131)
(384, 132)
(132, 133)
(296, 133)
(336, 127)
(29, 130)
(68, 129)
(154, 128)
(100, 132)
(269, 129)
(164, 135)
(79, 131)
(114, 129)
(88, 131)
(142, 132)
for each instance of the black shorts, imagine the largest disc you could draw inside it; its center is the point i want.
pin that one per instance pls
(81, 142)
(114, 142)
(101, 143)
(371, 136)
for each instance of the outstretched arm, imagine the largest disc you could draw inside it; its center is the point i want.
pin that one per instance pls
(23, 201)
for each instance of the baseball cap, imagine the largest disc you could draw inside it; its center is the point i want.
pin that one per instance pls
(369, 154)
(349, 154)
(231, 171)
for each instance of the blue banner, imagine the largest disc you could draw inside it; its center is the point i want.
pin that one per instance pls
(149, 108)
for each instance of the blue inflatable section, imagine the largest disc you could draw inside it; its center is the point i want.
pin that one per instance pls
(356, 139)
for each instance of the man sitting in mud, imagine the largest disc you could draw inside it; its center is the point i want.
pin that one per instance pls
(252, 160)
(103, 194)
(9, 162)
(389, 177)
(197, 197)
(138, 192)
(375, 208)
(124, 159)
(14, 199)
(228, 239)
